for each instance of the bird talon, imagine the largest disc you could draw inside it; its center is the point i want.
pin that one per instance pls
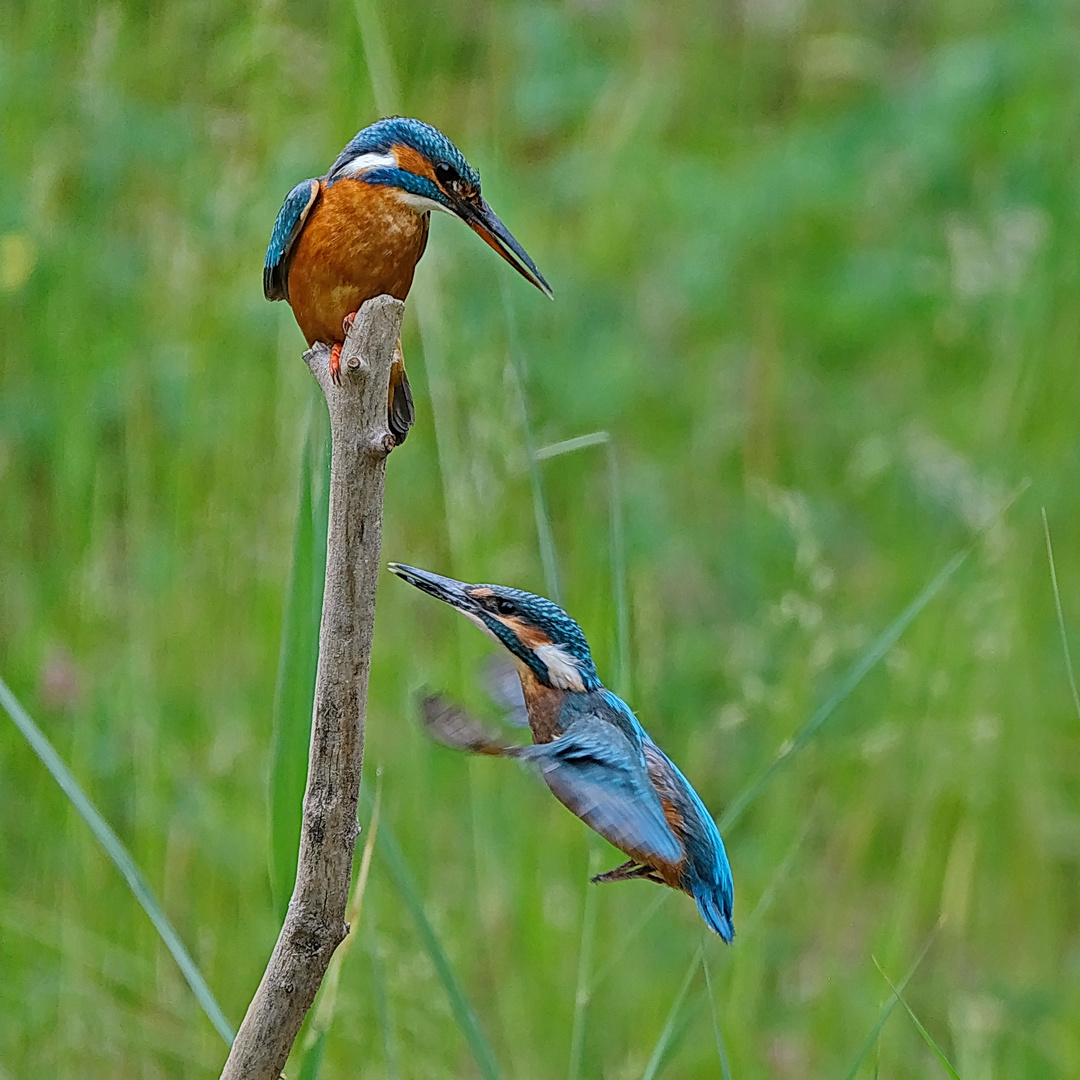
(335, 364)
(346, 323)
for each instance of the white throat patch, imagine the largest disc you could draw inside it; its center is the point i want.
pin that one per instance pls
(563, 671)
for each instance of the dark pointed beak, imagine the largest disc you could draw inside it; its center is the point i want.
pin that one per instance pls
(486, 224)
(442, 588)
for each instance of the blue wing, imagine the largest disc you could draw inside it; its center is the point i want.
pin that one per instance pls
(289, 225)
(706, 874)
(597, 773)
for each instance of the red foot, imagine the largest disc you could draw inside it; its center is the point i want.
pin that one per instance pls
(346, 323)
(335, 364)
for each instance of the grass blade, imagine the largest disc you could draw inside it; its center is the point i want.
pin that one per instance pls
(887, 1008)
(777, 878)
(1060, 617)
(382, 71)
(464, 1014)
(298, 659)
(568, 446)
(612, 962)
(946, 1064)
(652, 1070)
(721, 1053)
(616, 541)
(312, 1063)
(866, 662)
(618, 572)
(120, 857)
(855, 674)
(581, 994)
(382, 1010)
(545, 537)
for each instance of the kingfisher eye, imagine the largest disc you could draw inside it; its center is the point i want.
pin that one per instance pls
(505, 607)
(446, 174)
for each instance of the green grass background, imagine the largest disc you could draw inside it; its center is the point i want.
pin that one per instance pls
(816, 273)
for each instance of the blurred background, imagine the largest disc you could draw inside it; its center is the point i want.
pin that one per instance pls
(815, 271)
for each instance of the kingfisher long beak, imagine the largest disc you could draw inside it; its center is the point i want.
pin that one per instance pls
(442, 588)
(486, 224)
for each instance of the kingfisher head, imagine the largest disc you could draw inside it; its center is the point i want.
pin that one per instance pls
(430, 173)
(540, 634)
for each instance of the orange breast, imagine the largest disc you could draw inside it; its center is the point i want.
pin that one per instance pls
(543, 703)
(359, 241)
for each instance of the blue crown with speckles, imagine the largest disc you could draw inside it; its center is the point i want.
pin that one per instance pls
(379, 137)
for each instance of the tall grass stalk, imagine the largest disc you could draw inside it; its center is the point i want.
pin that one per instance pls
(886, 1010)
(616, 543)
(425, 297)
(545, 538)
(927, 1037)
(667, 1034)
(464, 1014)
(868, 659)
(581, 991)
(865, 663)
(298, 657)
(120, 857)
(721, 1050)
(1060, 615)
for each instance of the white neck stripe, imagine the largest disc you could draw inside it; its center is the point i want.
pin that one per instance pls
(366, 162)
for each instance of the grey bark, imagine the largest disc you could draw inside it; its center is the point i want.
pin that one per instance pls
(315, 923)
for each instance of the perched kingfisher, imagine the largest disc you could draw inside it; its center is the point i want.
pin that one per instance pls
(594, 755)
(359, 231)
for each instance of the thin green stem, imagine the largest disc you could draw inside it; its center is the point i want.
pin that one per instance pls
(581, 993)
(120, 857)
(887, 1008)
(1060, 616)
(652, 1070)
(938, 1052)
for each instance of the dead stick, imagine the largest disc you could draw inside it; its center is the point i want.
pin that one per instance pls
(315, 923)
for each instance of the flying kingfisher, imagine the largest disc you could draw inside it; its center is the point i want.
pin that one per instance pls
(594, 755)
(360, 230)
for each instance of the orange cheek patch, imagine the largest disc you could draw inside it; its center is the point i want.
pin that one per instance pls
(411, 161)
(529, 636)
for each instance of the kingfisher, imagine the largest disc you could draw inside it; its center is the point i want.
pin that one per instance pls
(360, 230)
(592, 752)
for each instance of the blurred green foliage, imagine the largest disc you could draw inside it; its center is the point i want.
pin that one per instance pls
(816, 272)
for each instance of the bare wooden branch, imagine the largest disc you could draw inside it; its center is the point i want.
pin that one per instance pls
(315, 923)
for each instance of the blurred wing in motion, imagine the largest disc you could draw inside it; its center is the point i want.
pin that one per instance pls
(452, 726)
(504, 688)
